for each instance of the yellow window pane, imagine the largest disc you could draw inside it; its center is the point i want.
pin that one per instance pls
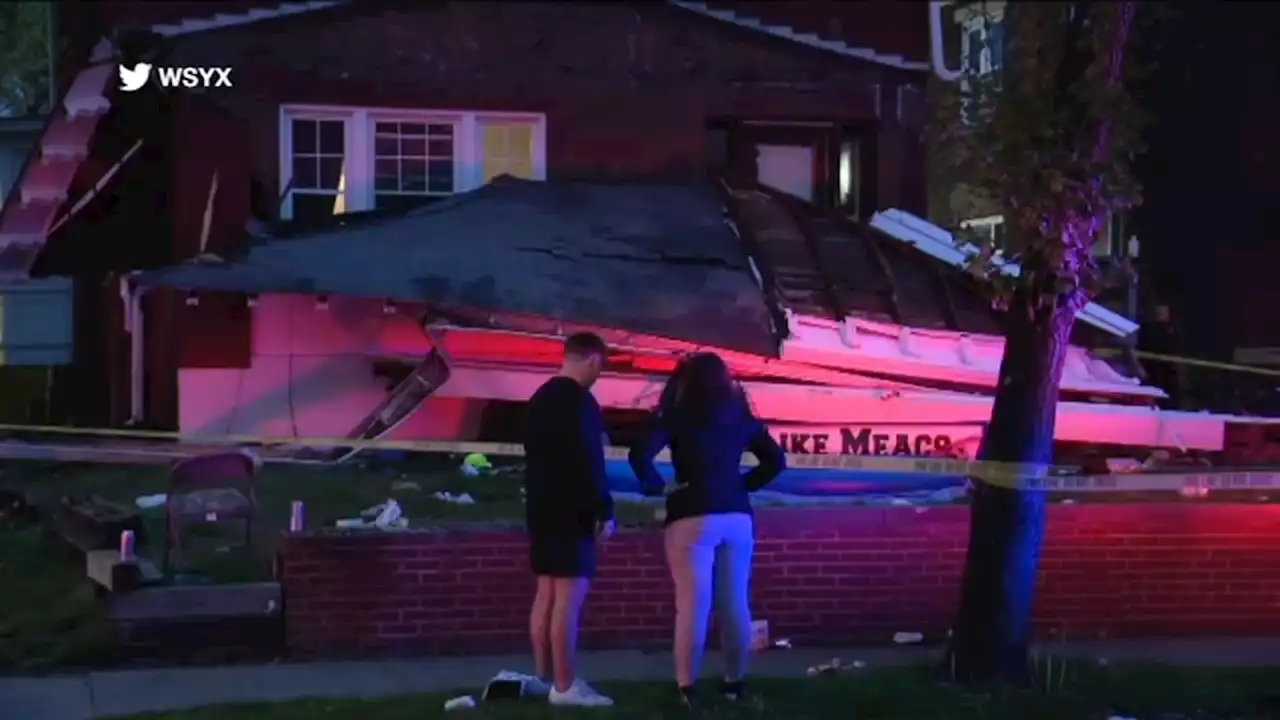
(507, 150)
(491, 168)
(520, 168)
(494, 140)
(520, 142)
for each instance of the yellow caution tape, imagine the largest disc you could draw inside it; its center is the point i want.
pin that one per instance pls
(1008, 475)
(1178, 360)
(900, 464)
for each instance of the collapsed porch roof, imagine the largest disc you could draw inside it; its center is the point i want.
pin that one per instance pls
(938, 243)
(655, 259)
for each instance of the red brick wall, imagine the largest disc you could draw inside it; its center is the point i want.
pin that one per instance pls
(823, 575)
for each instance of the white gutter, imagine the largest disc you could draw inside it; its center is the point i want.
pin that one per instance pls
(131, 300)
(937, 242)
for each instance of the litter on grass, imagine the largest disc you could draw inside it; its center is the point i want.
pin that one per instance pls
(463, 702)
(459, 499)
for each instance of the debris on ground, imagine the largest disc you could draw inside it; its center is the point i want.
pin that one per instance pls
(508, 685)
(463, 702)
(948, 494)
(459, 499)
(404, 485)
(759, 635)
(907, 638)
(827, 668)
(385, 516)
(476, 464)
(1123, 465)
(146, 502)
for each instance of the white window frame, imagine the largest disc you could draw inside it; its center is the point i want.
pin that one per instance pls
(359, 191)
(986, 224)
(1104, 246)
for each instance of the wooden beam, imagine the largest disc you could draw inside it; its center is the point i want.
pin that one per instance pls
(948, 300)
(895, 305)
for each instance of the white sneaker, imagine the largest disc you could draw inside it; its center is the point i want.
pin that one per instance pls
(537, 687)
(579, 694)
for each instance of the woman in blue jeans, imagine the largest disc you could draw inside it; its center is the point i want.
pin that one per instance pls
(705, 419)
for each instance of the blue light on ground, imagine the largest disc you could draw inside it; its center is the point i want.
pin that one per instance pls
(811, 481)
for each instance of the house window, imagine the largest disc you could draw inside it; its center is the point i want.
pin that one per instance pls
(988, 229)
(1112, 240)
(413, 162)
(336, 160)
(508, 150)
(318, 165)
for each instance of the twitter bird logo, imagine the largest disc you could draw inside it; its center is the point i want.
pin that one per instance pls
(131, 80)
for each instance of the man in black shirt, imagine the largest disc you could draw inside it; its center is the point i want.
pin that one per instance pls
(567, 509)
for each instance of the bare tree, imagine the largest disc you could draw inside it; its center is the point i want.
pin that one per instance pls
(1044, 128)
(24, 58)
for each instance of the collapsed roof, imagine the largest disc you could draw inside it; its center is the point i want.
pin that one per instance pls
(654, 259)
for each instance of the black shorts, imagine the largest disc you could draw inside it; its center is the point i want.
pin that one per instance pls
(562, 556)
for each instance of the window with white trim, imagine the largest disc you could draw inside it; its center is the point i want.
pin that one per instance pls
(1107, 243)
(336, 159)
(412, 162)
(508, 150)
(317, 166)
(988, 229)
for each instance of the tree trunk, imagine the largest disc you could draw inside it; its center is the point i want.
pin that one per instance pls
(992, 630)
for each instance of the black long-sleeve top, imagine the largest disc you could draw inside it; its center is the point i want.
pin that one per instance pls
(707, 457)
(566, 488)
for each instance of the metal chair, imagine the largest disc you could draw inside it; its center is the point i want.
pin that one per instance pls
(209, 489)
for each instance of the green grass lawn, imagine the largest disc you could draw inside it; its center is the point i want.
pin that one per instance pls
(1088, 693)
(49, 617)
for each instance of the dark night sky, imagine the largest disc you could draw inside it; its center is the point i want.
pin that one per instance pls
(1210, 170)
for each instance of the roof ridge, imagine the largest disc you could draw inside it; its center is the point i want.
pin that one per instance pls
(105, 50)
(813, 40)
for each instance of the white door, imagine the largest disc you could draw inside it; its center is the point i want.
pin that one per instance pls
(788, 168)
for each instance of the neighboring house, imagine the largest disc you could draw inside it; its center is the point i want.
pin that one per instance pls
(265, 258)
(35, 314)
(980, 40)
(16, 137)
